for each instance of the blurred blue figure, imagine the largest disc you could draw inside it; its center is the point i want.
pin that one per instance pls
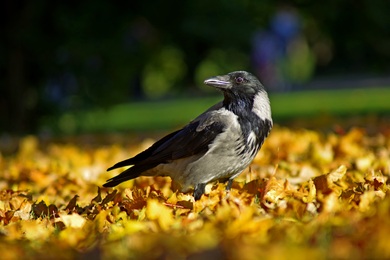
(266, 53)
(286, 27)
(280, 55)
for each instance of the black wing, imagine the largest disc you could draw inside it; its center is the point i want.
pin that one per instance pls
(180, 144)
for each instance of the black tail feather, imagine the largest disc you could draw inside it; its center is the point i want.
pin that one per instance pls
(124, 163)
(144, 156)
(128, 174)
(112, 183)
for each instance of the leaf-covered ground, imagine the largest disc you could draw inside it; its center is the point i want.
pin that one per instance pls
(306, 195)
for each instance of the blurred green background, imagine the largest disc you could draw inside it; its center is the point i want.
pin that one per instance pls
(100, 66)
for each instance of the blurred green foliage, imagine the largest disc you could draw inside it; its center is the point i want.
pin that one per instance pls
(168, 114)
(60, 57)
(165, 70)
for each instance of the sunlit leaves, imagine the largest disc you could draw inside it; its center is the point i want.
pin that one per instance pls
(307, 193)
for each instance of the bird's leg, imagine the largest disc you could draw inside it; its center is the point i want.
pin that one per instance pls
(229, 185)
(199, 190)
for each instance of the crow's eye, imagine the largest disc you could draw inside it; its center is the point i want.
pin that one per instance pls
(239, 80)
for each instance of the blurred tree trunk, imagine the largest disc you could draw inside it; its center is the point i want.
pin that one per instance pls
(15, 87)
(14, 112)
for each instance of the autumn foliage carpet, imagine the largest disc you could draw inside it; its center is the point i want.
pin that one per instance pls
(307, 195)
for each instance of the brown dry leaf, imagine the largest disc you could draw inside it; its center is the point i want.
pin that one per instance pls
(40, 209)
(72, 204)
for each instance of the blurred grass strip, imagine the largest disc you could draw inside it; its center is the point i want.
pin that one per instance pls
(159, 115)
(333, 102)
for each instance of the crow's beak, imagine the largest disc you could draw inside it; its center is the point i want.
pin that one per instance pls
(221, 82)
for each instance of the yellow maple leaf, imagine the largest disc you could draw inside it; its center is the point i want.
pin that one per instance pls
(160, 213)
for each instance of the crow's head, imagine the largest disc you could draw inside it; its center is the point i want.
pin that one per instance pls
(243, 93)
(237, 83)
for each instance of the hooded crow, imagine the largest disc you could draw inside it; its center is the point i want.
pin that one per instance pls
(216, 146)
